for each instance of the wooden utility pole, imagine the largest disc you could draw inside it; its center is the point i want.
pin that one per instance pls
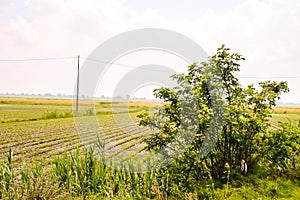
(77, 95)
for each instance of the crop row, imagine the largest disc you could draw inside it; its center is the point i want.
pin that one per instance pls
(42, 140)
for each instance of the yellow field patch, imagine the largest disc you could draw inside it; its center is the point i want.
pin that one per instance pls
(42, 101)
(286, 110)
(17, 100)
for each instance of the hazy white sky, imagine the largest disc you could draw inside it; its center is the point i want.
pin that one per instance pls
(266, 32)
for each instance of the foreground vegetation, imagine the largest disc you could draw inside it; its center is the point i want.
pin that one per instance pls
(82, 176)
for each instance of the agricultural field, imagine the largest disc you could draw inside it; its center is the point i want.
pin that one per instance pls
(287, 114)
(41, 129)
(44, 128)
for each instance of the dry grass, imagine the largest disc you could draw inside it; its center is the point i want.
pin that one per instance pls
(47, 101)
(34, 101)
(145, 103)
(287, 110)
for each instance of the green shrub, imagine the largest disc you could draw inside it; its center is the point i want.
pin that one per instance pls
(55, 115)
(223, 117)
(281, 151)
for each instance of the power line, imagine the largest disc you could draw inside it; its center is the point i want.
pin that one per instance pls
(134, 67)
(123, 65)
(37, 59)
(131, 66)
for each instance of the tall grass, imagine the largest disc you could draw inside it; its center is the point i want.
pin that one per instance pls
(29, 182)
(82, 175)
